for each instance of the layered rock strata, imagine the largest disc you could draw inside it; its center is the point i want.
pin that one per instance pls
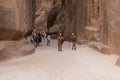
(17, 18)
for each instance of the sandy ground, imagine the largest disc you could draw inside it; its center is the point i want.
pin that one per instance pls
(49, 64)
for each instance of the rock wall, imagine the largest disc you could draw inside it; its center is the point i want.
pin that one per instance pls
(16, 18)
(113, 19)
(43, 8)
(15, 49)
(105, 14)
(62, 18)
(95, 22)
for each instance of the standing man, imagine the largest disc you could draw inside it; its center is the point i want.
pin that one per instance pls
(73, 40)
(60, 42)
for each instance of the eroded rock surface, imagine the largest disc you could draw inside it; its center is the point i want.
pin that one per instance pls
(14, 49)
(16, 18)
(43, 8)
(95, 22)
(106, 14)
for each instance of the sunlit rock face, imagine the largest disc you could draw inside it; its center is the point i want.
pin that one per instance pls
(16, 18)
(113, 19)
(106, 23)
(95, 22)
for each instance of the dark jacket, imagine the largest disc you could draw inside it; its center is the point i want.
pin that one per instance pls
(73, 38)
(60, 39)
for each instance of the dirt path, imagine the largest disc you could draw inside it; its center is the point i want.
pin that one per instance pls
(49, 64)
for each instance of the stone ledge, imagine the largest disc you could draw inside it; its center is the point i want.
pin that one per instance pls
(14, 49)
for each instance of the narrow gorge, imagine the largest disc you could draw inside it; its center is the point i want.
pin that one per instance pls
(95, 22)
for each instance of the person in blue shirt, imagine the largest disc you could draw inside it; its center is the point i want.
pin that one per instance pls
(36, 40)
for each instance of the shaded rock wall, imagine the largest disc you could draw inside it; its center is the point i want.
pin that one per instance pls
(43, 8)
(62, 18)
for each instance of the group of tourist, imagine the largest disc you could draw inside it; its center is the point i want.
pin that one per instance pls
(39, 36)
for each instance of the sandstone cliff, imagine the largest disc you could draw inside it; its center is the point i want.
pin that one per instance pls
(16, 22)
(16, 18)
(95, 22)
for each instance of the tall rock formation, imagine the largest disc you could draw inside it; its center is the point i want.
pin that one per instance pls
(95, 22)
(106, 23)
(43, 8)
(62, 18)
(113, 19)
(17, 18)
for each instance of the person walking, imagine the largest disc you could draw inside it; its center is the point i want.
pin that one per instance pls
(48, 40)
(60, 41)
(36, 40)
(73, 40)
(40, 39)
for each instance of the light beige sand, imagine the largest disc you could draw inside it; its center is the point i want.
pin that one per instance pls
(49, 64)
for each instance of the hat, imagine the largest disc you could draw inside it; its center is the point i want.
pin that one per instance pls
(73, 34)
(60, 34)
